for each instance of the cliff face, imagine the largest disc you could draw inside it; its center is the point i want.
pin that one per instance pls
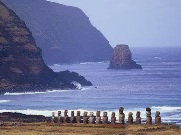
(64, 33)
(21, 64)
(122, 59)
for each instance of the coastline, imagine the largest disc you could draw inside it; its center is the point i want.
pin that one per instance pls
(30, 89)
(21, 124)
(37, 89)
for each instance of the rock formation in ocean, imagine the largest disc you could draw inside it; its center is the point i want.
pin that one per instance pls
(21, 63)
(122, 59)
(64, 33)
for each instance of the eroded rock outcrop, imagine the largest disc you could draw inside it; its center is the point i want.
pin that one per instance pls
(21, 64)
(64, 33)
(122, 59)
(19, 117)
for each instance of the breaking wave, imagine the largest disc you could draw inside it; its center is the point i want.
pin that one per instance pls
(4, 101)
(31, 93)
(167, 117)
(83, 63)
(23, 93)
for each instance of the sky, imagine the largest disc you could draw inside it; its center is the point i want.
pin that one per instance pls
(137, 23)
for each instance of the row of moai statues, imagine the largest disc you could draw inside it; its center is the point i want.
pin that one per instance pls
(149, 118)
(97, 119)
(130, 117)
(86, 119)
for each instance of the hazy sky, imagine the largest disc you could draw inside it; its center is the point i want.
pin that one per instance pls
(134, 22)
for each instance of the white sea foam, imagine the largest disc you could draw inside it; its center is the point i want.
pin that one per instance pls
(166, 108)
(78, 85)
(56, 65)
(52, 91)
(158, 58)
(23, 93)
(30, 111)
(142, 110)
(4, 101)
(83, 63)
(49, 112)
(31, 93)
(165, 119)
(42, 112)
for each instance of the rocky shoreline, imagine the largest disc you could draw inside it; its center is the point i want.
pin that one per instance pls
(22, 67)
(32, 89)
(11, 123)
(65, 77)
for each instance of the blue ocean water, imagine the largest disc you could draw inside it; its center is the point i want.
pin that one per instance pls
(157, 86)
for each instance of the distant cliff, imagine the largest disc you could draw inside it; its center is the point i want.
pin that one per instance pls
(64, 33)
(122, 59)
(21, 64)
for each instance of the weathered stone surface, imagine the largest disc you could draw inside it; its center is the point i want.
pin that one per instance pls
(130, 118)
(65, 116)
(85, 118)
(91, 118)
(60, 119)
(138, 118)
(105, 118)
(98, 117)
(157, 118)
(121, 115)
(72, 118)
(19, 117)
(113, 118)
(148, 116)
(78, 117)
(64, 33)
(53, 118)
(122, 59)
(22, 67)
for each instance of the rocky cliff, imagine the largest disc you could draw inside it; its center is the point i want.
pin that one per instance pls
(122, 59)
(21, 64)
(64, 33)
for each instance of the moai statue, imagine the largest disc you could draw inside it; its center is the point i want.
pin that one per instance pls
(157, 118)
(65, 116)
(148, 116)
(72, 118)
(105, 118)
(113, 118)
(91, 118)
(121, 115)
(78, 119)
(98, 117)
(138, 118)
(59, 117)
(85, 118)
(53, 118)
(130, 118)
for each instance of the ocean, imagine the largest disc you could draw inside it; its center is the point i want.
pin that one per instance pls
(157, 85)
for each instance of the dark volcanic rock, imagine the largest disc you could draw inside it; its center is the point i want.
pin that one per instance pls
(21, 64)
(19, 117)
(122, 59)
(64, 33)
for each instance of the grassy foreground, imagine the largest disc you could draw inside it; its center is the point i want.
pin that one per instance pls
(88, 129)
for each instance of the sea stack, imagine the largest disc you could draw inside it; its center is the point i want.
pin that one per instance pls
(122, 58)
